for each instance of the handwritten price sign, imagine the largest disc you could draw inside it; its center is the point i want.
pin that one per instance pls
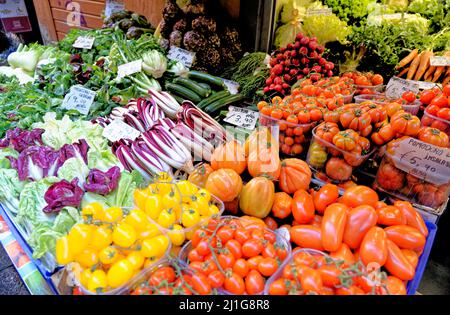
(397, 86)
(129, 68)
(84, 42)
(233, 87)
(242, 117)
(440, 61)
(184, 56)
(79, 99)
(119, 130)
(423, 160)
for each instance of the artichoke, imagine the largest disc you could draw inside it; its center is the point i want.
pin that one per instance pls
(214, 41)
(204, 24)
(194, 41)
(165, 28)
(210, 58)
(181, 26)
(170, 11)
(176, 39)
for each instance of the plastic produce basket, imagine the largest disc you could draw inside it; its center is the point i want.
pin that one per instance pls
(429, 120)
(347, 98)
(378, 98)
(281, 242)
(298, 134)
(321, 152)
(372, 88)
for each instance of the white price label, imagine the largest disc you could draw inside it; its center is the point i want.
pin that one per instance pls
(184, 56)
(84, 42)
(129, 68)
(233, 87)
(242, 117)
(117, 130)
(80, 99)
(314, 12)
(423, 160)
(393, 16)
(440, 61)
(397, 86)
(427, 85)
(113, 6)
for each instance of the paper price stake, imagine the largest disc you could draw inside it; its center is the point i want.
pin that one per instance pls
(184, 56)
(422, 160)
(315, 12)
(113, 6)
(242, 117)
(397, 86)
(440, 61)
(119, 130)
(84, 42)
(129, 68)
(233, 87)
(79, 99)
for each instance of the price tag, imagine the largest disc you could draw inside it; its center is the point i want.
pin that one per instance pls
(119, 130)
(84, 42)
(233, 87)
(394, 16)
(79, 98)
(427, 85)
(440, 61)
(242, 117)
(313, 12)
(397, 86)
(423, 160)
(113, 6)
(129, 68)
(184, 56)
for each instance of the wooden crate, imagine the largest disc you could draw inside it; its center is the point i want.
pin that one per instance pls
(55, 21)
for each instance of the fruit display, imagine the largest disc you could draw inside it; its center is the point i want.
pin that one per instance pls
(366, 83)
(437, 112)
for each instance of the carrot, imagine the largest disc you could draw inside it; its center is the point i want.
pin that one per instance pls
(429, 74)
(407, 59)
(423, 65)
(413, 67)
(403, 72)
(437, 74)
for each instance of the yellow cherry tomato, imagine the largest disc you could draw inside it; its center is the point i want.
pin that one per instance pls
(140, 195)
(153, 206)
(136, 259)
(85, 276)
(120, 273)
(205, 194)
(190, 218)
(164, 243)
(176, 235)
(200, 204)
(167, 217)
(162, 188)
(150, 231)
(113, 214)
(98, 281)
(108, 255)
(164, 177)
(124, 235)
(187, 189)
(63, 253)
(213, 209)
(79, 237)
(101, 237)
(137, 219)
(154, 247)
(171, 200)
(93, 211)
(87, 258)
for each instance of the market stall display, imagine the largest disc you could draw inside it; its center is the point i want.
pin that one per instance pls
(129, 169)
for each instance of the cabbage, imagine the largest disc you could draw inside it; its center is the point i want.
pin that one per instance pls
(293, 10)
(410, 21)
(327, 28)
(285, 34)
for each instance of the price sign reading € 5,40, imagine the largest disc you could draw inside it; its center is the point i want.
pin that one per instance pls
(242, 117)
(79, 99)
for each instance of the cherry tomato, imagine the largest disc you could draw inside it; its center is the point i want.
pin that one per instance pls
(311, 281)
(195, 256)
(359, 220)
(406, 237)
(216, 279)
(226, 260)
(162, 274)
(209, 266)
(234, 247)
(304, 258)
(254, 262)
(427, 96)
(198, 235)
(254, 282)
(374, 247)
(344, 253)
(352, 290)
(271, 223)
(241, 267)
(330, 275)
(252, 248)
(278, 287)
(303, 207)
(269, 250)
(203, 248)
(440, 101)
(333, 225)
(201, 284)
(409, 96)
(234, 284)
(225, 233)
(307, 236)
(242, 235)
(267, 266)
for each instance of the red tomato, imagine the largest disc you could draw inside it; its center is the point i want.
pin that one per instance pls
(198, 236)
(344, 253)
(311, 281)
(360, 220)
(395, 286)
(446, 90)
(234, 247)
(234, 284)
(200, 284)
(241, 267)
(242, 235)
(374, 247)
(330, 275)
(412, 257)
(440, 101)
(409, 96)
(326, 195)
(397, 264)
(216, 279)
(203, 247)
(226, 260)
(252, 248)
(278, 287)
(359, 195)
(352, 290)
(254, 262)
(225, 233)
(271, 223)
(254, 283)
(444, 113)
(406, 237)
(195, 256)
(413, 217)
(307, 236)
(303, 207)
(427, 96)
(390, 215)
(304, 258)
(269, 250)
(267, 266)
(333, 226)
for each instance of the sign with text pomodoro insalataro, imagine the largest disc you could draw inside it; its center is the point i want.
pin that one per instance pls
(420, 159)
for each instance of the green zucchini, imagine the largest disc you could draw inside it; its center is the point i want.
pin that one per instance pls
(204, 85)
(205, 77)
(183, 92)
(193, 86)
(212, 99)
(223, 102)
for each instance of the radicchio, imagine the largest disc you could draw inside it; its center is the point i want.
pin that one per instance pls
(63, 194)
(102, 183)
(36, 162)
(20, 139)
(78, 150)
